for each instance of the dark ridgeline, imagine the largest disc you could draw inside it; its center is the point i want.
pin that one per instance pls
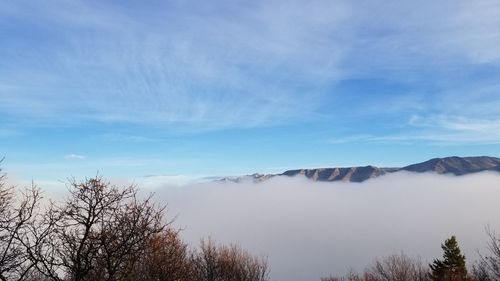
(449, 165)
(456, 165)
(353, 174)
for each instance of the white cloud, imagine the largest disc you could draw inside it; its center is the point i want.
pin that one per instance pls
(434, 129)
(221, 71)
(311, 230)
(474, 25)
(126, 138)
(456, 129)
(410, 41)
(158, 181)
(74, 157)
(204, 67)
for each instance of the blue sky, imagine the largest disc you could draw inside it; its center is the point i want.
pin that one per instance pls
(198, 88)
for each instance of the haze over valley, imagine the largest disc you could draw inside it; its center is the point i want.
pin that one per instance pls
(309, 229)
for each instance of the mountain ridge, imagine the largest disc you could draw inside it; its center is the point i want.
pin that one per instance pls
(455, 165)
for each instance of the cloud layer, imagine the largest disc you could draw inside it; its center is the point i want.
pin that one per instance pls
(309, 230)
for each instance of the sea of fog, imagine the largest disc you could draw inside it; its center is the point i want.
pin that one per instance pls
(310, 230)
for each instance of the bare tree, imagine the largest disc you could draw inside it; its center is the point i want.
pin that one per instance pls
(488, 267)
(104, 232)
(392, 268)
(397, 268)
(205, 262)
(96, 233)
(17, 214)
(351, 276)
(227, 263)
(480, 272)
(165, 258)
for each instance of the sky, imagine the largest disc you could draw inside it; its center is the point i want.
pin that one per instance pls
(186, 89)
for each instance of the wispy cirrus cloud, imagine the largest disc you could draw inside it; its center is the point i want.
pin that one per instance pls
(437, 129)
(117, 137)
(189, 65)
(193, 66)
(458, 129)
(74, 157)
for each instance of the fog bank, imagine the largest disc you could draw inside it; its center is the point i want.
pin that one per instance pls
(309, 230)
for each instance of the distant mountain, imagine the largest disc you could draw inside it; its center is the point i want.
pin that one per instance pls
(456, 165)
(247, 178)
(448, 165)
(353, 174)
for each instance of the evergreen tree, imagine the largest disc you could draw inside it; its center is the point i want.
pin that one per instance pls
(452, 266)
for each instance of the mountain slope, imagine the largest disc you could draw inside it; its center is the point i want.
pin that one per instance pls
(455, 165)
(352, 174)
(448, 165)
